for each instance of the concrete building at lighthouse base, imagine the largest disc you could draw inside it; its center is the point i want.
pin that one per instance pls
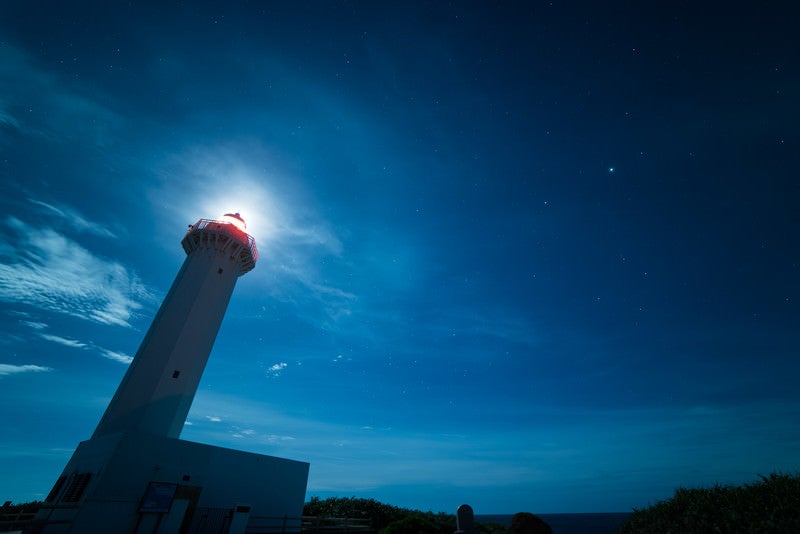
(141, 483)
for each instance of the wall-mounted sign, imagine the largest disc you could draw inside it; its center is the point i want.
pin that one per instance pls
(158, 497)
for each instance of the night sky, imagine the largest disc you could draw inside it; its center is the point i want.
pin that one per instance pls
(535, 256)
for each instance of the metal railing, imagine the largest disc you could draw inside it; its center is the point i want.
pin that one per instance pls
(15, 521)
(308, 525)
(218, 519)
(228, 229)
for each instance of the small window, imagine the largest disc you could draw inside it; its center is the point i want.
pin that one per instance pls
(175, 374)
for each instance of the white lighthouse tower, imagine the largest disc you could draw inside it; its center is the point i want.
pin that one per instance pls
(134, 474)
(157, 391)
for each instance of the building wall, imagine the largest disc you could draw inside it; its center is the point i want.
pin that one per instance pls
(123, 465)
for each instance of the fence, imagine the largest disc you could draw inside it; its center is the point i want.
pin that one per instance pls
(217, 520)
(309, 525)
(15, 521)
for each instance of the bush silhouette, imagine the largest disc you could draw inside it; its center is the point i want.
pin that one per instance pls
(381, 515)
(527, 523)
(412, 524)
(771, 505)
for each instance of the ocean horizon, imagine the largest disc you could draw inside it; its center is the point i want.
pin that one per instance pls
(581, 523)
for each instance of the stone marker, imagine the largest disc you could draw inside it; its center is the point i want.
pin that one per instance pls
(465, 520)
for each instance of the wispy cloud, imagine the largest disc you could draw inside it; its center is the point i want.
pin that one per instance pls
(244, 179)
(116, 356)
(73, 343)
(257, 437)
(6, 119)
(8, 369)
(352, 458)
(296, 239)
(52, 272)
(74, 219)
(664, 444)
(64, 341)
(36, 103)
(336, 303)
(34, 324)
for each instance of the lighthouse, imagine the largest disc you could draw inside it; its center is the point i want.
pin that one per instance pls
(134, 474)
(157, 391)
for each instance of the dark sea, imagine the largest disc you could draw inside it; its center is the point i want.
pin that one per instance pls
(607, 523)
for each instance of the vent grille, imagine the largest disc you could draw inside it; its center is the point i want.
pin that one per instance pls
(56, 488)
(77, 487)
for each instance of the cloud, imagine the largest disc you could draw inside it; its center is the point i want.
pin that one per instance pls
(34, 324)
(680, 445)
(74, 218)
(276, 369)
(255, 437)
(35, 102)
(352, 458)
(336, 303)
(116, 356)
(244, 179)
(52, 272)
(276, 438)
(8, 369)
(295, 240)
(64, 341)
(105, 353)
(8, 120)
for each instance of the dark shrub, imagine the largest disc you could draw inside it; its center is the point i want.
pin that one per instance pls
(771, 505)
(527, 523)
(490, 528)
(380, 515)
(413, 524)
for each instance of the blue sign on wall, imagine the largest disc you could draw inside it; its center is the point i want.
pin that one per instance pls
(158, 497)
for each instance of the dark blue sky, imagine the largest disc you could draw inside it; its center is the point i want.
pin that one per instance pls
(529, 256)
